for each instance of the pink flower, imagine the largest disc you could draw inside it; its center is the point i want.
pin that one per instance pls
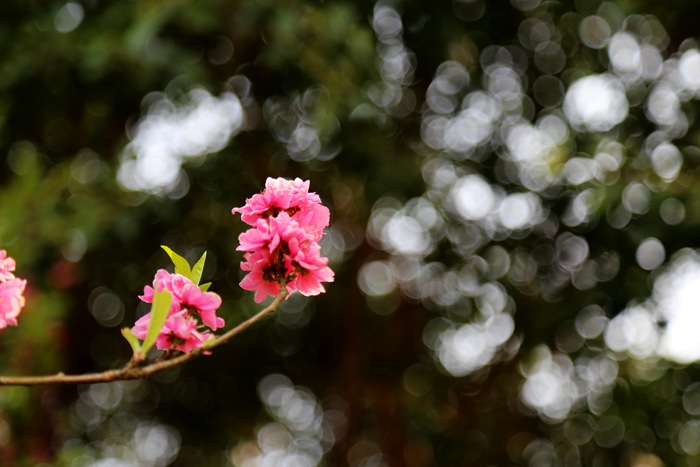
(162, 281)
(186, 295)
(189, 306)
(311, 269)
(11, 292)
(256, 238)
(282, 250)
(291, 197)
(180, 332)
(315, 218)
(140, 328)
(271, 234)
(263, 279)
(7, 265)
(282, 246)
(203, 303)
(11, 301)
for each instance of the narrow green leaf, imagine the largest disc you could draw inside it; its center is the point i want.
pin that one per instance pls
(181, 264)
(205, 287)
(198, 269)
(159, 313)
(132, 340)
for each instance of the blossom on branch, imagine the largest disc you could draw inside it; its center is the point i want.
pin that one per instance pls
(282, 246)
(191, 311)
(292, 197)
(11, 301)
(179, 332)
(186, 295)
(7, 265)
(11, 292)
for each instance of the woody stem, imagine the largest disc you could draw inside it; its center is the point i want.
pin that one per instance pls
(130, 371)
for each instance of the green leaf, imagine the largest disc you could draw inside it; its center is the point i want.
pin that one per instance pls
(181, 264)
(205, 287)
(198, 269)
(132, 340)
(159, 313)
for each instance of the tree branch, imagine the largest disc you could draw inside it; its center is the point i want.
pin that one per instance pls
(130, 371)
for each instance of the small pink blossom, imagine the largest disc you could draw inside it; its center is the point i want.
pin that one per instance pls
(262, 278)
(314, 219)
(282, 245)
(162, 281)
(189, 306)
(291, 197)
(186, 295)
(203, 303)
(256, 238)
(11, 292)
(282, 250)
(180, 332)
(11, 301)
(271, 234)
(140, 328)
(7, 265)
(311, 269)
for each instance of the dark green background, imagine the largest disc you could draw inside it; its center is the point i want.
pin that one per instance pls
(69, 102)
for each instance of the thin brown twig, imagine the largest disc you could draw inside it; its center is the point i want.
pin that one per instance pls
(130, 371)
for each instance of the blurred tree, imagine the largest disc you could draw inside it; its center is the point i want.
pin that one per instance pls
(514, 198)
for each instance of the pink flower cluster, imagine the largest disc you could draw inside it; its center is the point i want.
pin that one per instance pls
(11, 292)
(191, 311)
(282, 246)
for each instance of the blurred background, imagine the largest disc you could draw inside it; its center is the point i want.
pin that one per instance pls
(515, 209)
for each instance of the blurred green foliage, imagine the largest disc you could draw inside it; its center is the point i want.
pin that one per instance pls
(458, 331)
